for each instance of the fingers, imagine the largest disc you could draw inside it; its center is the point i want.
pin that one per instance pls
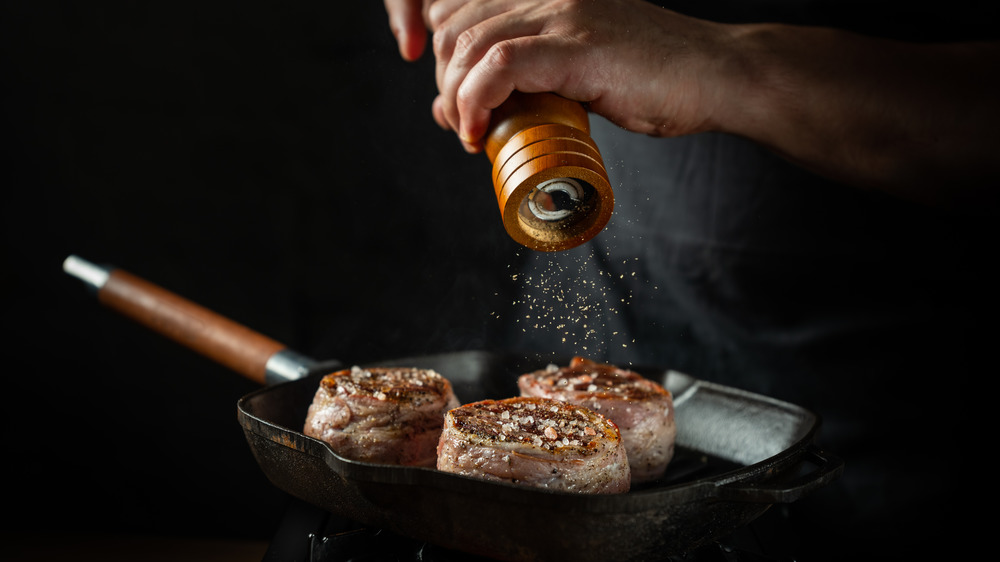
(407, 22)
(645, 68)
(472, 147)
(473, 42)
(526, 64)
(484, 52)
(450, 19)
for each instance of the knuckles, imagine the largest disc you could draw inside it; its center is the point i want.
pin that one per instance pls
(467, 44)
(443, 43)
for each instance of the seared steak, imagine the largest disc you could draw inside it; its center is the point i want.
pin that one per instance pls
(387, 415)
(535, 442)
(642, 409)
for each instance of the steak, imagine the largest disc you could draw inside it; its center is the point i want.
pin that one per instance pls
(642, 409)
(387, 415)
(535, 442)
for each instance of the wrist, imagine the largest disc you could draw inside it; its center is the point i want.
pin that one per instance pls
(751, 81)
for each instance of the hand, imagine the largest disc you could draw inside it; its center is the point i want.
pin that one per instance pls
(918, 121)
(647, 69)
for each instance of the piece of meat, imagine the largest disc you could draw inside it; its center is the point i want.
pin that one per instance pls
(535, 442)
(387, 415)
(642, 409)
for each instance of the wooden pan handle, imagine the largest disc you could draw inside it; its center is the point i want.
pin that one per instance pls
(249, 353)
(216, 337)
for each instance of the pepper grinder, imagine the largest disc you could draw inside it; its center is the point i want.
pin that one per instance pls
(548, 173)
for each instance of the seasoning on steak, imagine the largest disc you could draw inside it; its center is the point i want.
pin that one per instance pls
(642, 409)
(535, 442)
(387, 415)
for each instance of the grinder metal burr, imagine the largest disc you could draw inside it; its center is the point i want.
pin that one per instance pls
(548, 173)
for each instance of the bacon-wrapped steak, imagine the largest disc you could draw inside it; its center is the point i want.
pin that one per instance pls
(642, 409)
(387, 415)
(535, 442)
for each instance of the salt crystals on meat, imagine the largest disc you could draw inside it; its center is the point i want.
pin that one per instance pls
(387, 415)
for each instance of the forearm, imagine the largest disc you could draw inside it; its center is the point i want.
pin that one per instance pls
(919, 121)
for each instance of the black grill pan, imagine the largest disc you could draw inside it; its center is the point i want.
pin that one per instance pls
(738, 453)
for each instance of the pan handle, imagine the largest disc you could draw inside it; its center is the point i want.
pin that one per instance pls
(826, 468)
(253, 355)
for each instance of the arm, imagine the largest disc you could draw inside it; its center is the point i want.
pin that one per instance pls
(918, 121)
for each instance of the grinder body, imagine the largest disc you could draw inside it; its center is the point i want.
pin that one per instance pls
(548, 174)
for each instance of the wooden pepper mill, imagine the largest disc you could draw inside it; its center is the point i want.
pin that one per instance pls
(548, 174)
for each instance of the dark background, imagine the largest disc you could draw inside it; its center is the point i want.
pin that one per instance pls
(278, 164)
(274, 162)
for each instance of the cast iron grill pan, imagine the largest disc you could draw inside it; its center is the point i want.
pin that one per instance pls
(738, 453)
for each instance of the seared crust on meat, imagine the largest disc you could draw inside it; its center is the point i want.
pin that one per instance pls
(388, 415)
(535, 442)
(642, 409)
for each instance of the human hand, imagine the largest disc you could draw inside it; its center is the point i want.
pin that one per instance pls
(647, 69)
(862, 110)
